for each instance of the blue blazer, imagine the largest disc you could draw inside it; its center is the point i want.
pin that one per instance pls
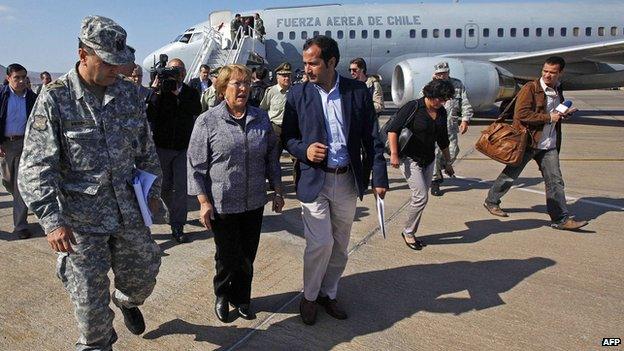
(304, 124)
(4, 102)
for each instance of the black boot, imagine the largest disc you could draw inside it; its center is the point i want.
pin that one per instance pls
(133, 319)
(435, 189)
(178, 234)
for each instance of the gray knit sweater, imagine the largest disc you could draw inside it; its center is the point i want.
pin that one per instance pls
(230, 165)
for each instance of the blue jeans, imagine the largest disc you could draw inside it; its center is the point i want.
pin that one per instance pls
(548, 163)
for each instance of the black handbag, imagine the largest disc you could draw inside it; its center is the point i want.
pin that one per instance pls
(406, 133)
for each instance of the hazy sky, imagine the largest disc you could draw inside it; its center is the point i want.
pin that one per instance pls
(42, 35)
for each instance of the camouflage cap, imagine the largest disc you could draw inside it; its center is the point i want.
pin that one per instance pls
(215, 72)
(441, 67)
(107, 39)
(284, 68)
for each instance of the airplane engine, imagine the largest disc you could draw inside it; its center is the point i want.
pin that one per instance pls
(485, 83)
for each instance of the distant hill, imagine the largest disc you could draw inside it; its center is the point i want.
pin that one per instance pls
(34, 76)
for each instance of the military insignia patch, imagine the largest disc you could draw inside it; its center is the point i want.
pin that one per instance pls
(40, 123)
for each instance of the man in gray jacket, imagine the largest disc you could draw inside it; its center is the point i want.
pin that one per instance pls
(457, 108)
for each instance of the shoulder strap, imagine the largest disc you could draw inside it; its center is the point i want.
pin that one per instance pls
(503, 115)
(411, 117)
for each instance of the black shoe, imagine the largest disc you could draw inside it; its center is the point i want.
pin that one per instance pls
(435, 189)
(133, 319)
(307, 309)
(417, 245)
(245, 312)
(331, 307)
(178, 235)
(222, 308)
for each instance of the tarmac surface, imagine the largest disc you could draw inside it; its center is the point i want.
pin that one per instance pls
(483, 283)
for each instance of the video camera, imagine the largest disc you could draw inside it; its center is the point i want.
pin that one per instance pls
(167, 76)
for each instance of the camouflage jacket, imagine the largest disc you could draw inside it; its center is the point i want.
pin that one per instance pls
(459, 107)
(79, 156)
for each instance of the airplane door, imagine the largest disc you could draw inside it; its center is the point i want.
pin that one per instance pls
(471, 37)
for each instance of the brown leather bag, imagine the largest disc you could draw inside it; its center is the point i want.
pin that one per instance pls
(502, 142)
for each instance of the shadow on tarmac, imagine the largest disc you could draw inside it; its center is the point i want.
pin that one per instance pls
(391, 296)
(479, 230)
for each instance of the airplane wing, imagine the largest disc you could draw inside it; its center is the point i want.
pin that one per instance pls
(611, 52)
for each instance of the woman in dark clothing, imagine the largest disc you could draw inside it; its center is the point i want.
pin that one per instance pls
(428, 125)
(232, 152)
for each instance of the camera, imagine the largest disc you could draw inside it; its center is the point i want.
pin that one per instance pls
(167, 76)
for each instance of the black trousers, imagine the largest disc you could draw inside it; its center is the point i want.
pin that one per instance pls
(236, 238)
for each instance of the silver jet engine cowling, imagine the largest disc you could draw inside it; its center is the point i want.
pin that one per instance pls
(485, 83)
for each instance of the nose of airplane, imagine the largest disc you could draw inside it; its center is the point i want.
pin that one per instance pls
(148, 62)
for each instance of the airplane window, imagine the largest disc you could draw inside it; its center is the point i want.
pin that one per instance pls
(412, 33)
(423, 33)
(551, 32)
(525, 32)
(364, 34)
(512, 32)
(351, 34)
(197, 36)
(316, 32)
(447, 33)
(538, 32)
(177, 38)
(575, 31)
(185, 38)
(388, 34)
(328, 33)
(564, 31)
(280, 35)
(340, 34)
(613, 30)
(458, 32)
(376, 34)
(588, 31)
(292, 35)
(501, 32)
(486, 32)
(436, 33)
(304, 35)
(601, 31)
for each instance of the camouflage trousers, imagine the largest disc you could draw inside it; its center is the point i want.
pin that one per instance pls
(135, 260)
(440, 162)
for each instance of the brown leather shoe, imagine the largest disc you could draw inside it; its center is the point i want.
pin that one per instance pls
(495, 210)
(331, 307)
(570, 224)
(308, 311)
(24, 234)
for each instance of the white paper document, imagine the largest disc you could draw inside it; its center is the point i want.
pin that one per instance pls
(381, 217)
(142, 182)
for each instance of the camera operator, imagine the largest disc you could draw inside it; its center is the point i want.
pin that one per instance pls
(172, 110)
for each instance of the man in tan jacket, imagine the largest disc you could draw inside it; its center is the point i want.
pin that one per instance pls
(535, 111)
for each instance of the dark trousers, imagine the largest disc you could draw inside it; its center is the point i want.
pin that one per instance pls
(173, 164)
(236, 238)
(10, 166)
(548, 163)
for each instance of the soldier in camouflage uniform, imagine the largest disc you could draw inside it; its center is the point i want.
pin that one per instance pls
(87, 133)
(457, 108)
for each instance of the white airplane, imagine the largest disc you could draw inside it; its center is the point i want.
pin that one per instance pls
(491, 47)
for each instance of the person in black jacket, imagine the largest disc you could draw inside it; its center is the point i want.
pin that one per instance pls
(172, 117)
(426, 119)
(258, 86)
(16, 102)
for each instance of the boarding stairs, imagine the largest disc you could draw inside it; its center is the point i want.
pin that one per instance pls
(217, 50)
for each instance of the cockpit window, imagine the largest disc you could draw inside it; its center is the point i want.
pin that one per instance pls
(184, 38)
(197, 36)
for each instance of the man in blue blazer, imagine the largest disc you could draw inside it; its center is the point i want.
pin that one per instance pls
(16, 102)
(330, 127)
